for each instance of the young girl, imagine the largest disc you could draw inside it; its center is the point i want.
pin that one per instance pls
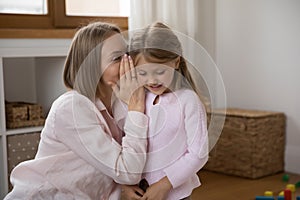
(177, 135)
(80, 156)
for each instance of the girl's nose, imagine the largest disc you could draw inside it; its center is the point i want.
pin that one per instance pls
(152, 80)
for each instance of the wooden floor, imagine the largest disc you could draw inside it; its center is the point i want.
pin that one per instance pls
(217, 186)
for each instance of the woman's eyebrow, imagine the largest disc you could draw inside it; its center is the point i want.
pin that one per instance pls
(118, 53)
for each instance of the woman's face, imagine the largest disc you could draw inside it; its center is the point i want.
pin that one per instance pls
(112, 51)
(155, 76)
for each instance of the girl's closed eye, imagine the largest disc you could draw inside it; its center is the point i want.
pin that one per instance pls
(160, 72)
(142, 73)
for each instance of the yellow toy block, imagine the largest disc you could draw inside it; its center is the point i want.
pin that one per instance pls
(268, 194)
(291, 187)
(281, 194)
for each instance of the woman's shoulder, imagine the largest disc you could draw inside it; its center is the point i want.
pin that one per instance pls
(70, 98)
(64, 98)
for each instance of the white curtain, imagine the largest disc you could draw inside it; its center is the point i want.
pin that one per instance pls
(192, 19)
(195, 18)
(175, 13)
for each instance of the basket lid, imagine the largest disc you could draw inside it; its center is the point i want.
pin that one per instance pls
(238, 112)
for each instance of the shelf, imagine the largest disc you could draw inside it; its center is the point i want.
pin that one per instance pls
(34, 47)
(30, 71)
(24, 130)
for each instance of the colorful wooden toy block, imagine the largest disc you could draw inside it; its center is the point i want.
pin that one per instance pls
(285, 178)
(281, 194)
(291, 187)
(264, 198)
(287, 194)
(268, 193)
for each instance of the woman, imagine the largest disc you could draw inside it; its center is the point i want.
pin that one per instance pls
(81, 155)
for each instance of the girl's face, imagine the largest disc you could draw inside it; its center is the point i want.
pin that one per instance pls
(155, 76)
(112, 51)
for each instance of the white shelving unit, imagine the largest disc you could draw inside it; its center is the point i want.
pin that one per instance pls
(30, 71)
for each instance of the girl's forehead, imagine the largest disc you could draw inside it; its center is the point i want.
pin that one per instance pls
(140, 59)
(152, 66)
(155, 63)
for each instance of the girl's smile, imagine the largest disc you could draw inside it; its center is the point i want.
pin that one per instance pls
(156, 89)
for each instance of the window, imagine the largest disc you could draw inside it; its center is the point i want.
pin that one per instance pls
(97, 8)
(37, 7)
(62, 13)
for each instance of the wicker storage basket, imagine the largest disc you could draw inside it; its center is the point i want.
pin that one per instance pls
(27, 123)
(21, 114)
(16, 112)
(34, 111)
(21, 147)
(251, 144)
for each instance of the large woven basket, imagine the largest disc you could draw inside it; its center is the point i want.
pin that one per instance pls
(251, 144)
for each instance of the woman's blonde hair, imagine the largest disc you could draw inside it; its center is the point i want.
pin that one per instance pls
(82, 70)
(157, 42)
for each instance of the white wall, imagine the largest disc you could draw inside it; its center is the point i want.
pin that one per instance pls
(258, 53)
(34, 80)
(19, 79)
(49, 80)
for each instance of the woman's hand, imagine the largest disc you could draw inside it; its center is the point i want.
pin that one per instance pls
(131, 192)
(129, 89)
(158, 190)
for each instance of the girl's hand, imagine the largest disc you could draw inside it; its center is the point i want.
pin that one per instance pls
(131, 192)
(159, 190)
(129, 89)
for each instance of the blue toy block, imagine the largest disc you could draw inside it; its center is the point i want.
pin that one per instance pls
(264, 198)
(280, 198)
(298, 197)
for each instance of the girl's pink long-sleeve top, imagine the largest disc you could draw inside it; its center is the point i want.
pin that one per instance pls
(78, 157)
(178, 140)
